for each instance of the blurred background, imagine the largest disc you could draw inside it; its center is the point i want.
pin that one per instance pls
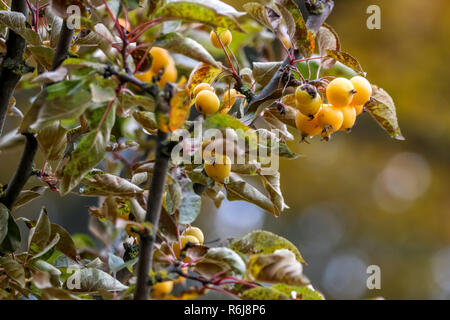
(361, 199)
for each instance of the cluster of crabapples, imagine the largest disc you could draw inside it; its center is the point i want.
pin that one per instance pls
(192, 236)
(346, 99)
(162, 65)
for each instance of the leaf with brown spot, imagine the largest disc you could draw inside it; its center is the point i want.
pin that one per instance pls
(202, 73)
(180, 105)
(346, 59)
(382, 108)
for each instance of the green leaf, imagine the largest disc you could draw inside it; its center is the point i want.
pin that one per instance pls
(100, 37)
(65, 244)
(126, 103)
(263, 14)
(280, 266)
(65, 100)
(43, 54)
(264, 71)
(264, 293)
(103, 90)
(48, 247)
(220, 259)
(52, 140)
(346, 59)
(264, 242)
(13, 269)
(302, 293)
(177, 43)
(147, 120)
(12, 240)
(17, 22)
(95, 280)
(89, 152)
(190, 202)
(212, 12)
(285, 152)
(227, 122)
(26, 196)
(4, 216)
(40, 234)
(382, 108)
(239, 190)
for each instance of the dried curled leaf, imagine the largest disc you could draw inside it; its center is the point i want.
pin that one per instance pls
(102, 184)
(272, 185)
(382, 108)
(277, 267)
(240, 190)
(220, 259)
(327, 38)
(263, 14)
(264, 242)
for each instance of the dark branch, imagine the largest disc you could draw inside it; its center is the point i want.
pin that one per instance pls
(153, 214)
(64, 41)
(13, 65)
(23, 171)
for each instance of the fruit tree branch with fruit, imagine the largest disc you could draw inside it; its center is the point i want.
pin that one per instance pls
(152, 110)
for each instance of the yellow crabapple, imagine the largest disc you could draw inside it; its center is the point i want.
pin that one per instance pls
(225, 37)
(363, 90)
(330, 117)
(207, 102)
(340, 92)
(218, 168)
(349, 114)
(307, 100)
(202, 86)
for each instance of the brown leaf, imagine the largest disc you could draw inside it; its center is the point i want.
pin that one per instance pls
(278, 267)
(327, 38)
(382, 108)
(346, 59)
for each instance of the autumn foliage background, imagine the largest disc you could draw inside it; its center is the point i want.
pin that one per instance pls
(363, 198)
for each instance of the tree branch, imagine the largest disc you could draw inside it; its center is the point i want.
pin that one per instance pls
(12, 65)
(64, 41)
(154, 204)
(23, 171)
